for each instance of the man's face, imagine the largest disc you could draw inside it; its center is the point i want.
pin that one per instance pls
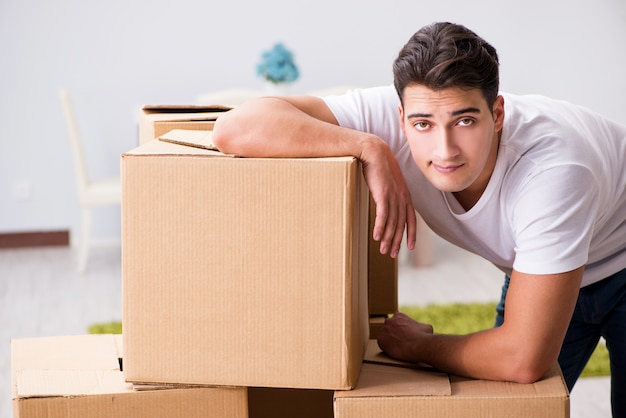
(453, 137)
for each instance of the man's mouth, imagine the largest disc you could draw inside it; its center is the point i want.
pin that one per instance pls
(446, 168)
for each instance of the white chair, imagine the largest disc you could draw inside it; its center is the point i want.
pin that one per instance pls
(90, 192)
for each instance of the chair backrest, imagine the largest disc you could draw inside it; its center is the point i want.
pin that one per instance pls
(80, 166)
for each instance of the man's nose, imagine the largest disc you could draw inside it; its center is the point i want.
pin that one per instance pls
(445, 146)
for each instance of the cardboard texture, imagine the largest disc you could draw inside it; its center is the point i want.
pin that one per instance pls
(245, 272)
(382, 269)
(156, 120)
(80, 376)
(382, 274)
(401, 392)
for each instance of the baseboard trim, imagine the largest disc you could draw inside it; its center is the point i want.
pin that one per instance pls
(35, 239)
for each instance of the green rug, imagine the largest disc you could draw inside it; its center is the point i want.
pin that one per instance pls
(106, 328)
(456, 318)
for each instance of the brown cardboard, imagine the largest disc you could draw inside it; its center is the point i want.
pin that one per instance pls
(290, 403)
(199, 139)
(245, 272)
(400, 392)
(374, 355)
(156, 120)
(382, 274)
(80, 376)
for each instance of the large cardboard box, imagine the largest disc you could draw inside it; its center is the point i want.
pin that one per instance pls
(386, 390)
(80, 376)
(156, 120)
(246, 272)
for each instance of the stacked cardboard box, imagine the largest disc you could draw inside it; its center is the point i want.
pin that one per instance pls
(242, 271)
(250, 287)
(80, 376)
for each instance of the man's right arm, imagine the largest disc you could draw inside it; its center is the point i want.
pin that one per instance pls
(302, 127)
(299, 126)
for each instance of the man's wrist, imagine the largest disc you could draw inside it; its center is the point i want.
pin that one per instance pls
(370, 147)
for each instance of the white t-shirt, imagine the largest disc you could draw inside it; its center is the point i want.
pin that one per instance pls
(555, 201)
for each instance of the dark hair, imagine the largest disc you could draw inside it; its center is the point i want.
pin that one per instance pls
(443, 55)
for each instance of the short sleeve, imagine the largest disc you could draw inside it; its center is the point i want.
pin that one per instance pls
(553, 220)
(373, 110)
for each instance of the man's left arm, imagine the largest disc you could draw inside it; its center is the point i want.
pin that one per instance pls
(537, 314)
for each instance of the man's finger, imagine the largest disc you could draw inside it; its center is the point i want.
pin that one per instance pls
(386, 242)
(379, 221)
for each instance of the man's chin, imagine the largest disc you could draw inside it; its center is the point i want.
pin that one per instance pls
(446, 187)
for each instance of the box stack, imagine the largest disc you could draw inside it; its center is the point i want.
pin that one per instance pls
(250, 289)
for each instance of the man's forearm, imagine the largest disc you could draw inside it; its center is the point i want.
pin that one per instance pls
(276, 128)
(487, 355)
(502, 353)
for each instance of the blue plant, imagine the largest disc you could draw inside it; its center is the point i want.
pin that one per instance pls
(277, 65)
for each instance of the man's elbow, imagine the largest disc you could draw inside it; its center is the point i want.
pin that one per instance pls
(529, 370)
(220, 136)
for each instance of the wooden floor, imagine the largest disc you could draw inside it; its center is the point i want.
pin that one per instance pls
(42, 295)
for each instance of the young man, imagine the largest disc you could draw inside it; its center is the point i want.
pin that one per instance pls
(536, 186)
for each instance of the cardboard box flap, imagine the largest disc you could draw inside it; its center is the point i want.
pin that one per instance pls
(215, 108)
(64, 366)
(46, 383)
(174, 113)
(374, 355)
(157, 147)
(191, 138)
(78, 352)
(391, 381)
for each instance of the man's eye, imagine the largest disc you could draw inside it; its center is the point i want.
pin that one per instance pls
(466, 122)
(420, 126)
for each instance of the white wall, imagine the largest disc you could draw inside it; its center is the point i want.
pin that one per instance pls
(117, 55)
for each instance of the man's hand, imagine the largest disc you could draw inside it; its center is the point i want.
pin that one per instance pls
(522, 349)
(400, 337)
(394, 208)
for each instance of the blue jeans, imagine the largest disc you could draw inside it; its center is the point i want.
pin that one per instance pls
(600, 312)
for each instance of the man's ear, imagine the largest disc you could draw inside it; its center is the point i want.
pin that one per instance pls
(498, 113)
(401, 115)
